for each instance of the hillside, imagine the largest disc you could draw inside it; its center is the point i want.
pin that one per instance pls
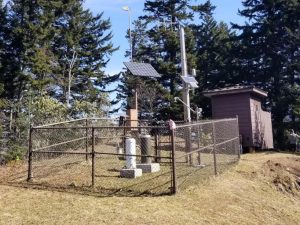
(262, 189)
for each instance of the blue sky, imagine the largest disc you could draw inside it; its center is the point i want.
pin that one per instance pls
(227, 10)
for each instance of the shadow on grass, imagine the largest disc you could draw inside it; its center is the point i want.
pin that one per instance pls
(88, 190)
(154, 185)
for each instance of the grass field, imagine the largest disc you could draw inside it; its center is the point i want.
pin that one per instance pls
(72, 173)
(262, 189)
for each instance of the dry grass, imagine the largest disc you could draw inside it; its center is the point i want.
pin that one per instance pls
(72, 173)
(246, 194)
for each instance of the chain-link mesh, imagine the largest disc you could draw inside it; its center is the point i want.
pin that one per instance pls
(89, 155)
(93, 156)
(60, 156)
(109, 147)
(70, 123)
(203, 149)
(227, 141)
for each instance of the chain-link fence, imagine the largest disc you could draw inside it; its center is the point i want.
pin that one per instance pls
(205, 148)
(88, 155)
(91, 153)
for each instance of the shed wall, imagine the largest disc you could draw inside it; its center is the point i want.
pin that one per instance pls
(261, 125)
(257, 132)
(229, 106)
(268, 130)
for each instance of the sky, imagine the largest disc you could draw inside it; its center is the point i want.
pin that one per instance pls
(226, 10)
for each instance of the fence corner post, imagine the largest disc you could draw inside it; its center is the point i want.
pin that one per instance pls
(93, 156)
(174, 182)
(29, 177)
(214, 148)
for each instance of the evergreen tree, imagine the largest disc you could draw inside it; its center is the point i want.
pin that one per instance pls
(82, 47)
(269, 57)
(207, 45)
(38, 40)
(150, 92)
(160, 46)
(212, 49)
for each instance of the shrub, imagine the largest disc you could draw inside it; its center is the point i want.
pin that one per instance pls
(16, 152)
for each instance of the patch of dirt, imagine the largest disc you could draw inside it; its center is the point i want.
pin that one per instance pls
(284, 174)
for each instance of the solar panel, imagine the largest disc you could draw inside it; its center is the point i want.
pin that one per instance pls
(141, 69)
(190, 80)
(193, 85)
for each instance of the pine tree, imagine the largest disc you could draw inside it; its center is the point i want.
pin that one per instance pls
(269, 57)
(212, 49)
(82, 47)
(208, 46)
(150, 92)
(160, 46)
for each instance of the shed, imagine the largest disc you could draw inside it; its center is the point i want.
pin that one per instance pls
(255, 124)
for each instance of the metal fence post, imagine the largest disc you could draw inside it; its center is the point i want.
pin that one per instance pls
(174, 182)
(187, 134)
(30, 155)
(124, 134)
(156, 147)
(93, 156)
(238, 135)
(198, 144)
(214, 148)
(86, 139)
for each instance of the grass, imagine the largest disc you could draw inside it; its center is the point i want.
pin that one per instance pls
(72, 173)
(245, 194)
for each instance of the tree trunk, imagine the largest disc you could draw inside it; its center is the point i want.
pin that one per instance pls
(71, 66)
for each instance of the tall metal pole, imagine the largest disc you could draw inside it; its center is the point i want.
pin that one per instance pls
(186, 94)
(126, 8)
(130, 36)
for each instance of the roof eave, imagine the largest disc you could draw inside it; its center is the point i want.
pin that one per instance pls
(235, 91)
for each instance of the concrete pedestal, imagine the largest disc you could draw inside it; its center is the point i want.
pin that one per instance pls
(149, 167)
(131, 173)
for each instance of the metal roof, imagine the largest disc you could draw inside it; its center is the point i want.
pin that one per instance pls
(235, 90)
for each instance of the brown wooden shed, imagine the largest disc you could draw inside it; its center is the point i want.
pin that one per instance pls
(255, 125)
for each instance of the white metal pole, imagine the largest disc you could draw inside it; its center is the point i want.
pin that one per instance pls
(126, 8)
(183, 52)
(186, 94)
(130, 36)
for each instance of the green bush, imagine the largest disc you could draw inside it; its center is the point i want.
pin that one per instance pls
(16, 152)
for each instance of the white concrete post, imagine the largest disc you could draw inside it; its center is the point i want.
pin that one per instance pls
(130, 150)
